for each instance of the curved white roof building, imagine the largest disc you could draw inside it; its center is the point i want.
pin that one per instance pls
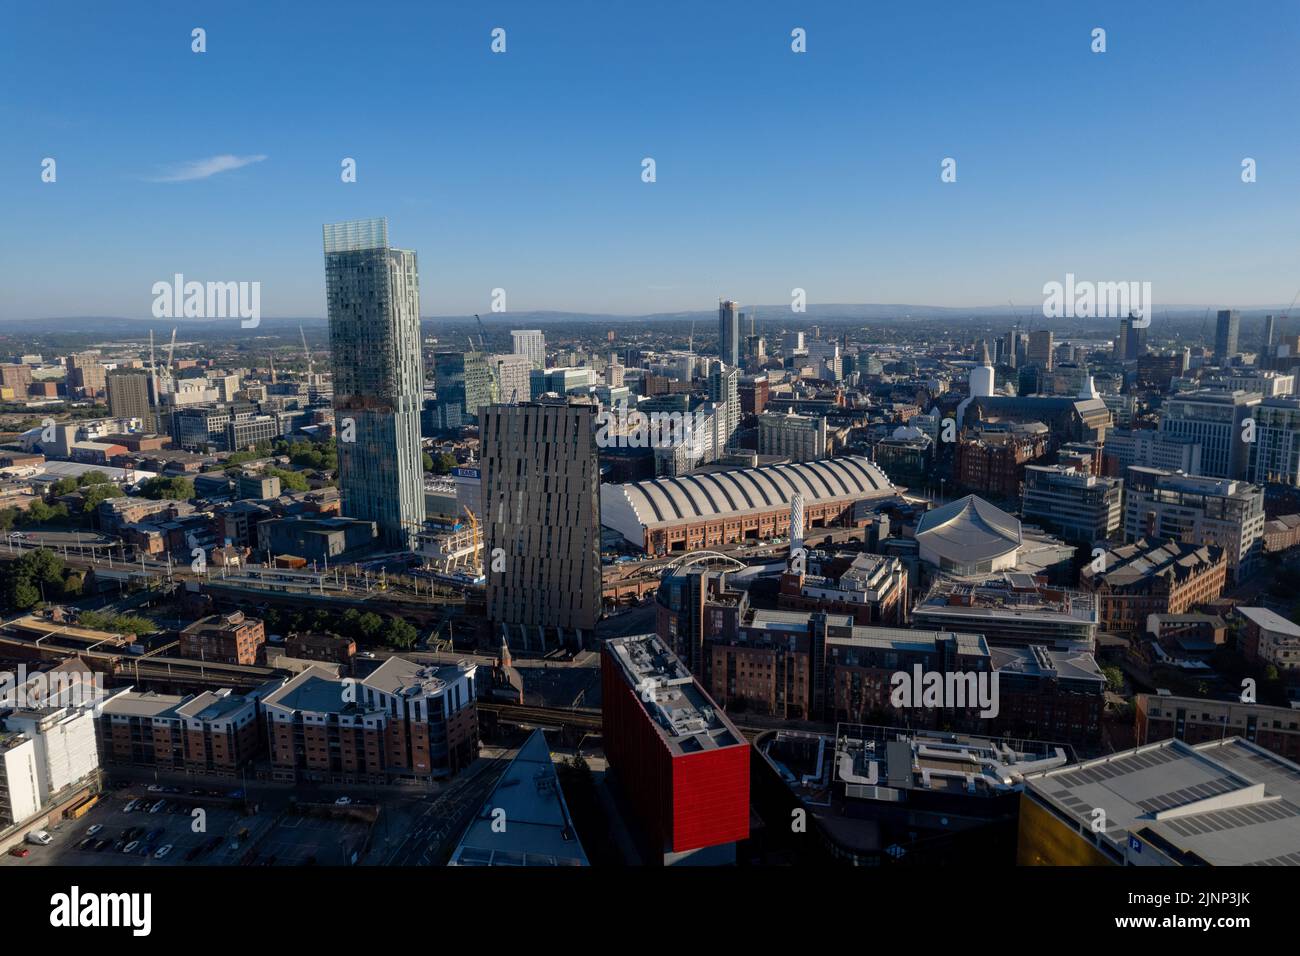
(722, 507)
(969, 536)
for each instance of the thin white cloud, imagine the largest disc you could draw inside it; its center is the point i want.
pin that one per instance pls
(203, 168)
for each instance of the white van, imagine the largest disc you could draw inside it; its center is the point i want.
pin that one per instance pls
(40, 838)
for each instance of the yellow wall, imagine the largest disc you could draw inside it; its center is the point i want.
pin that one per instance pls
(1045, 840)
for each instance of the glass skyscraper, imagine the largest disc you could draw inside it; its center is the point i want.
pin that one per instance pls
(373, 299)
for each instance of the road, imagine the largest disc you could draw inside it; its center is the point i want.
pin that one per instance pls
(434, 832)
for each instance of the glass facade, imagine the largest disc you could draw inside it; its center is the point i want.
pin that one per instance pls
(373, 299)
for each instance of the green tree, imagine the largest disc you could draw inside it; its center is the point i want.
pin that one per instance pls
(172, 489)
(400, 634)
(1114, 677)
(290, 480)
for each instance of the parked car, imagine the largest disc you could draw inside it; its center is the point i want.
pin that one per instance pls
(40, 838)
(153, 834)
(132, 806)
(154, 788)
(94, 829)
(162, 851)
(157, 807)
(21, 852)
(131, 847)
(193, 852)
(343, 801)
(83, 844)
(99, 845)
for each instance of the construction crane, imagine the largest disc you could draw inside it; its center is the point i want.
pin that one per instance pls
(171, 350)
(306, 352)
(482, 346)
(474, 539)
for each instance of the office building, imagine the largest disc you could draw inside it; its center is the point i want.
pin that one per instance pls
(1274, 456)
(465, 383)
(1196, 720)
(680, 762)
(532, 343)
(1039, 349)
(1226, 329)
(1133, 581)
(1080, 507)
(402, 722)
(729, 333)
(1014, 610)
(1213, 418)
(373, 300)
(1197, 511)
(796, 437)
(541, 523)
(1157, 370)
(1149, 448)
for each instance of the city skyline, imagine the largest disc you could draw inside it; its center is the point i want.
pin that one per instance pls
(828, 177)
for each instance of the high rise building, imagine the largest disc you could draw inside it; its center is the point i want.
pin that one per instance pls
(1214, 418)
(1039, 350)
(1226, 330)
(1214, 511)
(373, 300)
(541, 520)
(465, 383)
(729, 332)
(724, 391)
(129, 395)
(1266, 337)
(85, 376)
(530, 342)
(513, 378)
(796, 437)
(1275, 452)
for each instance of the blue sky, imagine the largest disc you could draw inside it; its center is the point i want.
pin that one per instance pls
(774, 169)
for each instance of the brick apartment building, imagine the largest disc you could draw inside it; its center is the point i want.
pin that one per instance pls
(215, 732)
(405, 721)
(1152, 577)
(224, 639)
(329, 648)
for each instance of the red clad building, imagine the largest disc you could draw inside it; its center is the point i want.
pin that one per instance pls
(683, 766)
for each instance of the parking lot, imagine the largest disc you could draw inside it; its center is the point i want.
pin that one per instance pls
(202, 828)
(296, 840)
(186, 829)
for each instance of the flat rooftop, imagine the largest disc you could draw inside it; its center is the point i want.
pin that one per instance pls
(538, 831)
(1221, 803)
(686, 718)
